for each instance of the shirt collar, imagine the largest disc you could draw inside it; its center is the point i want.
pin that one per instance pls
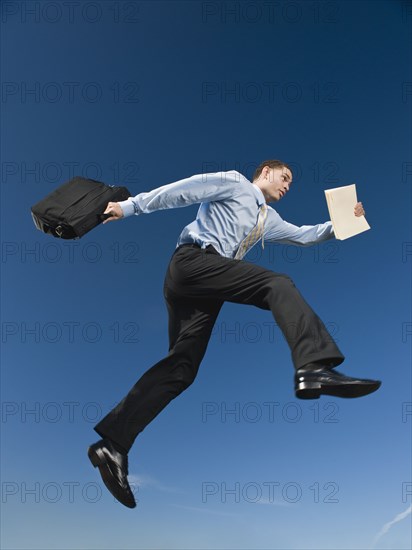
(259, 195)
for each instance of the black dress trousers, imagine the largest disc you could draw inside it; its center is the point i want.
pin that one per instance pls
(197, 283)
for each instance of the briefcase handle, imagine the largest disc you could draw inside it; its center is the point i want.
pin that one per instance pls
(105, 216)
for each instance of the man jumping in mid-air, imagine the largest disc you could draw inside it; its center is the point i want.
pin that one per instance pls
(206, 270)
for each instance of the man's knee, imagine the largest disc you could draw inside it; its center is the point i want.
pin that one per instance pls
(281, 280)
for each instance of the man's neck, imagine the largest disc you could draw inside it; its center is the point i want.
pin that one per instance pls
(261, 190)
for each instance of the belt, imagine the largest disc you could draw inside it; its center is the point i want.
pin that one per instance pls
(209, 247)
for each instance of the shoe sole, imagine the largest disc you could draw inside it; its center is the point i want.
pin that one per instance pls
(98, 460)
(313, 390)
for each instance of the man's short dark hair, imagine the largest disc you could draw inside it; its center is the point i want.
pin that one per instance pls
(271, 164)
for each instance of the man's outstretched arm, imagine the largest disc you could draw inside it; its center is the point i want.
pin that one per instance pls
(196, 189)
(284, 232)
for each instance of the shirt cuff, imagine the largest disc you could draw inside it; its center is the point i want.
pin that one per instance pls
(128, 207)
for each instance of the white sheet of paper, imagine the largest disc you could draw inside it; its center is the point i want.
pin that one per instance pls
(341, 203)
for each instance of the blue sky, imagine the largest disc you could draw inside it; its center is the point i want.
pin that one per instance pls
(146, 93)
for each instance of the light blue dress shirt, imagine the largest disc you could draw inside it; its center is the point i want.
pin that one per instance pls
(229, 208)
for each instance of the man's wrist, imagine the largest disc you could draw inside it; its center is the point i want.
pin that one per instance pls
(128, 207)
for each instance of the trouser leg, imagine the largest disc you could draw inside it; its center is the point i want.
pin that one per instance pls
(202, 274)
(190, 325)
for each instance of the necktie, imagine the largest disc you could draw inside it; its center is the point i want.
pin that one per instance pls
(254, 235)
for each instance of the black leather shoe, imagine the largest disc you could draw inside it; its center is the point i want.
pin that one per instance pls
(314, 380)
(113, 467)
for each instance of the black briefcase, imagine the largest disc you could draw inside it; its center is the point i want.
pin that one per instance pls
(76, 207)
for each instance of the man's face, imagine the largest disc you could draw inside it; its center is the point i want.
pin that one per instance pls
(277, 183)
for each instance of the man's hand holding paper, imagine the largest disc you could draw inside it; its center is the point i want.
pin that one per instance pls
(359, 211)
